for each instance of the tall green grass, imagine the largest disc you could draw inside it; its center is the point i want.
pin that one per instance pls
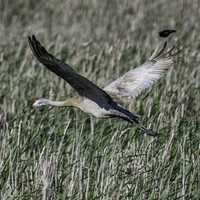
(61, 153)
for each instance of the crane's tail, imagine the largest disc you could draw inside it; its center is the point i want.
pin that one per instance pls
(132, 118)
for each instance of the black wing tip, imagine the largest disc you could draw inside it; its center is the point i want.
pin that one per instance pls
(33, 44)
(31, 38)
(33, 41)
(38, 50)
(165, 33)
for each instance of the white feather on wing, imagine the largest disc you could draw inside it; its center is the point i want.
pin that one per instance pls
(132, 83)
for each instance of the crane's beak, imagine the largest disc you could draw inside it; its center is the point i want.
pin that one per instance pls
(39, 102)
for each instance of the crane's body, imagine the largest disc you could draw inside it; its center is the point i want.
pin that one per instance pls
(99, 102)
(91, 107)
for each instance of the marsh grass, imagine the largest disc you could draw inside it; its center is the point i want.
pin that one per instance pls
(59, 153)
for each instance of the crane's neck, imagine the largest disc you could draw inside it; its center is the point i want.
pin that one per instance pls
(58, 103)
(70, 102)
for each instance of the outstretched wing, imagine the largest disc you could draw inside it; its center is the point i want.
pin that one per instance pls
(83, 86)
(132, 83)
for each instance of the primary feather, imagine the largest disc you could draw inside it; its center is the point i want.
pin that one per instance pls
(132, 83)
(83, 86)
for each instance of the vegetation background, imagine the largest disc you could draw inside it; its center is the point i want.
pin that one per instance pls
(60, 153)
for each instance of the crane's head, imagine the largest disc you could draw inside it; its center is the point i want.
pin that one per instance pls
(41, 102)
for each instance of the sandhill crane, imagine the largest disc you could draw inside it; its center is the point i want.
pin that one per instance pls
(100, 102)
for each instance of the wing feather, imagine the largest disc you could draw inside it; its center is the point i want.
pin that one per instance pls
(132, 83)
(83, 86)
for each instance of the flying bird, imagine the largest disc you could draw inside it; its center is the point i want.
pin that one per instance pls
(104, 103)
(166, 33)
